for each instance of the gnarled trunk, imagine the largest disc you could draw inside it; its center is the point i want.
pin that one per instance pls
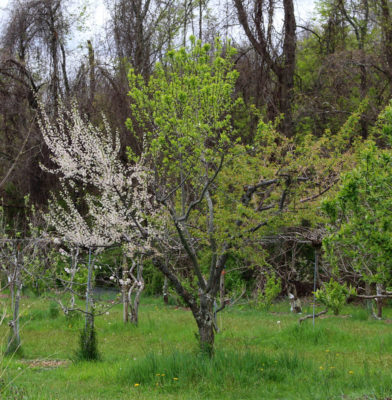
(139, 289)
(205, 323)
(132, 285)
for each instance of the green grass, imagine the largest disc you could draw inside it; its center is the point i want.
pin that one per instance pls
(344, 357)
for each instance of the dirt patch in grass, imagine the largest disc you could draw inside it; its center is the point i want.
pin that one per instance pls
(343, 316)
(47, 364)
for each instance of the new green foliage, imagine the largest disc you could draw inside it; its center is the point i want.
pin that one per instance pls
(185, 113)
(272, 288)
(334, 295)
(361, 222)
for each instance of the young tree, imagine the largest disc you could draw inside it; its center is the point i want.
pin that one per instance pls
(185, 109)
(222, 195)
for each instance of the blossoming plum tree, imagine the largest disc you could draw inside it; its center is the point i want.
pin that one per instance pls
(115, 195)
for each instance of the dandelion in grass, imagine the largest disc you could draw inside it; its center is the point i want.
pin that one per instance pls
(136, 384)
(332, 367)
(162, 374)
(350, 372)
(327, 351)
(175, 379)
(321, 367)
(158, 375)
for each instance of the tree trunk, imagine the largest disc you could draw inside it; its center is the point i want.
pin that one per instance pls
(89, 349)
(206, 336)
(222, 287)
(16, 288)
(379, 301)
(139, 290)
(14, 343)
(74, 266)
(124, 289)
(91, 61)
(205, 323)
(165, 291)
(89, 321)
(368, 301)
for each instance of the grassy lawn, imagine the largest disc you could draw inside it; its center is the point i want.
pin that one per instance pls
(257, 357)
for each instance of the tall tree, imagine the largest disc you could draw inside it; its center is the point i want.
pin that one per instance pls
(33, 59)
(142, 29)
(258, 19)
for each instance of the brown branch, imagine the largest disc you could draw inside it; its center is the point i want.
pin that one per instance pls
(311, 316)
(203, 192)
(376, 296)
(315, 196)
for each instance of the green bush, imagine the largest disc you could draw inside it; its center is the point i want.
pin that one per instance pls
(272, 288)
(334, 295)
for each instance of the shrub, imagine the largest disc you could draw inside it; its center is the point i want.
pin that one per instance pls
(272, 288)
(334, 295)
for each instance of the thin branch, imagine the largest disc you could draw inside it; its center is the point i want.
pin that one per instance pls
(203, 192)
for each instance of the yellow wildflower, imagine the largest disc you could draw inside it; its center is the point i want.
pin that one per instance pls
(137, 384)
(175, 379)
(350, 372)
(321, 367)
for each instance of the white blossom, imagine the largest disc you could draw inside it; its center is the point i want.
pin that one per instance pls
(121, 208)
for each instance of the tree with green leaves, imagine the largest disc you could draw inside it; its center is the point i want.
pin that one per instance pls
(221, 194)
(360, 217)
(185, 110)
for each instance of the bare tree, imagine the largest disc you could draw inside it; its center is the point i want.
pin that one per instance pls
(258, 19)
(142, 30)
(21, 246)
